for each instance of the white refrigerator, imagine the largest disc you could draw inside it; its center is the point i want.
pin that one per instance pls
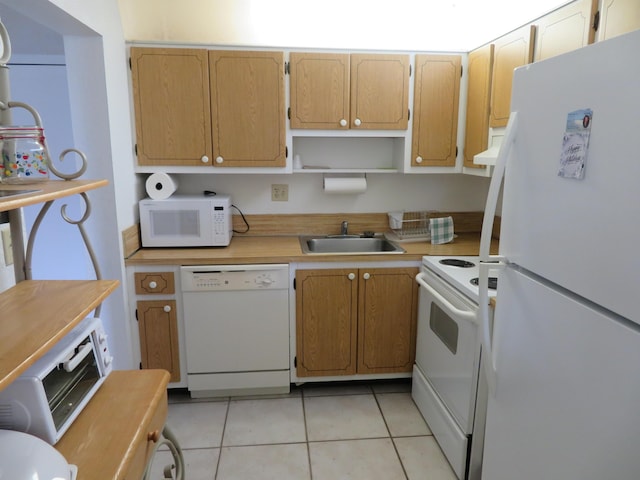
(563, 359)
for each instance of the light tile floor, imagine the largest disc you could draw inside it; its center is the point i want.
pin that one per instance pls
(338, 431)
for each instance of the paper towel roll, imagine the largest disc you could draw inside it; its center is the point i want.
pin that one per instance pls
(345, 184)
(160, 186)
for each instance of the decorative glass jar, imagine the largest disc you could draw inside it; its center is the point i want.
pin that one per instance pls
(24, 157)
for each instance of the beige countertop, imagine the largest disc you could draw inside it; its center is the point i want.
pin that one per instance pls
(286, 249)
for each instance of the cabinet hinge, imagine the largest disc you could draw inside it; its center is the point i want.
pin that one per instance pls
(461, 69)
(596, 21)
(456, 151)
(289, 113)
(286, 151)
(140, 365)
(287, 68)
(295, 362)
(136, 314)
(135, 149)
(294, 283)
(410, 70)
(408, 114)
(130, 68)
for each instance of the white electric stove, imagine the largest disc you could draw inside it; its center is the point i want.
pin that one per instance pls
(447, 385)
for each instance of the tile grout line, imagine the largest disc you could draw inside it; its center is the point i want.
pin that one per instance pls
(224, 428)
(306, 433)
(386, 424)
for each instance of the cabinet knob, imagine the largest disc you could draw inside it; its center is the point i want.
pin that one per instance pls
(351, 276)
(343, 123)
(366, 276)
(153, 436)
(204, 159)
(357, 122)
(219, 159)
(153, 284)
(418, 159)
(167, 308)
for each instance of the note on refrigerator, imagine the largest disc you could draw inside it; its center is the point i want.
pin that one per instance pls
(575, 144)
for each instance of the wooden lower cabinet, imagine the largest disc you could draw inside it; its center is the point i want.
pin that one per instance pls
(355, 321)
(158, 328)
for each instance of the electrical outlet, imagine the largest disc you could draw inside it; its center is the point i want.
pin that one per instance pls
(280, 192)
(7, 247)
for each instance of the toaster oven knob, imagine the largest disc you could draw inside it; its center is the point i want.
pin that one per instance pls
(107, 360)
(102, 338)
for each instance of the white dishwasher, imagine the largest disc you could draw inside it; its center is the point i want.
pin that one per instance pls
(236, 321)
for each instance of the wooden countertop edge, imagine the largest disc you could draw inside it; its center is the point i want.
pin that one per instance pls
(286, 249)
(46, 191)
(88, 442)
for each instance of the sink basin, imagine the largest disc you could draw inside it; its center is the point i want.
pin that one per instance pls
(348, 245)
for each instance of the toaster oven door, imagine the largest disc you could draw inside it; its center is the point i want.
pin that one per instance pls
(69, 382)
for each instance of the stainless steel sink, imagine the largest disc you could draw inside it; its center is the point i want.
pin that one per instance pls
(348, 245)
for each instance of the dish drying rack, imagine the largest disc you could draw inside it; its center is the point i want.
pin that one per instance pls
(410, 226)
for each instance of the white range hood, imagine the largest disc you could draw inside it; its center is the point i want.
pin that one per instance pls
(489, 156)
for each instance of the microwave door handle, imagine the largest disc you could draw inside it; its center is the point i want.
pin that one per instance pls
(73, 362)
(444, 303)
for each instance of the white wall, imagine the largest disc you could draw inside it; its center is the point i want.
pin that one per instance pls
(96, 62)
(435, 25)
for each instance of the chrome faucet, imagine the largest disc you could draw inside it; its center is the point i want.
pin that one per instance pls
(344, 226)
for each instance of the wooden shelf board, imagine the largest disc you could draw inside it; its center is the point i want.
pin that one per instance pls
(38, 313)
(46, 191)
(103, 440)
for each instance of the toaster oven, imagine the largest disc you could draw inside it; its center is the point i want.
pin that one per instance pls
(48, 396)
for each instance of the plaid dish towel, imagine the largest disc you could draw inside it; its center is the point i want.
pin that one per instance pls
(441, 230)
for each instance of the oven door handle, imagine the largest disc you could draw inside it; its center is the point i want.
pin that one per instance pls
(71, 364)
(446, 304)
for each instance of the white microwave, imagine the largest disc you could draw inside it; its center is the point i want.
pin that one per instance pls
(50, 394)
(186, 221)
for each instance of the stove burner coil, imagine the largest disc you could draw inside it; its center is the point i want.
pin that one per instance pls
(457, 262)
(493, 282)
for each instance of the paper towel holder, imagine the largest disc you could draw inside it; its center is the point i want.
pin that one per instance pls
(344, 183)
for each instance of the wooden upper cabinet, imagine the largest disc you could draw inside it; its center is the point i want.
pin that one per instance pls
(477, 120)
(510, 51)
(618, 17)
(319, 90)
(379, 91)
(435, 110)
(247, 108)
(341, 91)
(565, 29)
(171, 102)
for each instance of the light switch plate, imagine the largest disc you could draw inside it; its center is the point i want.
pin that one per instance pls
(7, 247)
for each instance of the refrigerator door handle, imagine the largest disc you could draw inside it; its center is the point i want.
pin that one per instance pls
(488, 347)
(494, 186)
(444, 303)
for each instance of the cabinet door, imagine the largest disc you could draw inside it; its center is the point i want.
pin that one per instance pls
(247, 108)
(476, 136)
(387, 312)
(319, 90)
(326, 316)
(379, 91)
(565, 29)
(618, 17)
(435, 110)
(171, 103)
(510, 51)
(158, 328)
